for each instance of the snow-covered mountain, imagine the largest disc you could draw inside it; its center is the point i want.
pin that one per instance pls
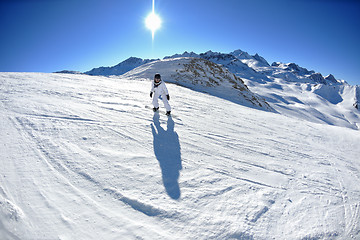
(119, 69)
(201, 75)
(288, 88)
(238, 62)
(82, 158)
(235, 62)
(258, 69)
(328, 104)
(69, 72)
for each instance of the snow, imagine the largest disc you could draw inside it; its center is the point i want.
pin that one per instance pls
(120, 68)
(201, 75)
(83, 158)
(287, 88)
(330, 104)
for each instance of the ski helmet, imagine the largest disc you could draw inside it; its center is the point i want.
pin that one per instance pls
(157, 76)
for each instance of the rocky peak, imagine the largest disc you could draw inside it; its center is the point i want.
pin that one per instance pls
(318, 78)
(261, 59)
(331, 78)
(241, 54)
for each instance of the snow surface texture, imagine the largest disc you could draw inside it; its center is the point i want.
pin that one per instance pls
(82, 158)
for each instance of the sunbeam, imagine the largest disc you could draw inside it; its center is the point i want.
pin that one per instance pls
(153, 21)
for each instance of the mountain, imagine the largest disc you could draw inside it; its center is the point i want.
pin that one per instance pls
(69, 72)
(356, 103)
(288, 88)
(251, 61)
(185, 54)
(258, 69)
(201, 75)
(319, 103)
(330, 78)
(119, 69)
(293, 68)
(238, 62)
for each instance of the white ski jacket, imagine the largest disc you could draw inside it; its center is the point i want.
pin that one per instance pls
(160, 89)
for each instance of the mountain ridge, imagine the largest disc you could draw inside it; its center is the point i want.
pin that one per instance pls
(231, 60)
(120, 68)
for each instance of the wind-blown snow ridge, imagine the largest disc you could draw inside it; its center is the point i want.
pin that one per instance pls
(119, 69)
(83, 158)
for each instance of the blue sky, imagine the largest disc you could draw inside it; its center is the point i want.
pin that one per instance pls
(53, 35)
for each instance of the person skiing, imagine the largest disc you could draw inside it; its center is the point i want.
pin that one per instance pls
(159, 90)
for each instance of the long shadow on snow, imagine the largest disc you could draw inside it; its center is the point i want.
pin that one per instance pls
(168, 152)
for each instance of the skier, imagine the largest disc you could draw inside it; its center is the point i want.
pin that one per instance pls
(159, 90)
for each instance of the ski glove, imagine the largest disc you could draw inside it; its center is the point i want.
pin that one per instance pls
(168, 97)
(151, 93)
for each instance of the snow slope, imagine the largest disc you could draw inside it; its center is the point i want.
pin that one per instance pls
(82, 158)
(320, 103)
(120, 68)
(333, 105)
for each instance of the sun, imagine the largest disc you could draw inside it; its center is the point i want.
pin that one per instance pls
(153, 21)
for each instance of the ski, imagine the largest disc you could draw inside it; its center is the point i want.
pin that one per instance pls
(160, 111)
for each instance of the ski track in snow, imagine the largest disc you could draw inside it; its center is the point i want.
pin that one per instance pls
(82, 158)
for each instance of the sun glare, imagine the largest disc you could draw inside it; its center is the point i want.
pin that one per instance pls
(153, 21)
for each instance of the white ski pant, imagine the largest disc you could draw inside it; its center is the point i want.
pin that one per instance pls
(155, 101)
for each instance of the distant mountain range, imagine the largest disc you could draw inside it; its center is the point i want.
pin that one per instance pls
(238, 62)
